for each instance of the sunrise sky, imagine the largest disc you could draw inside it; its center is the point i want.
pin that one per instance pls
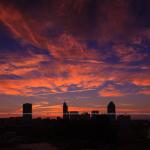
(84, 52)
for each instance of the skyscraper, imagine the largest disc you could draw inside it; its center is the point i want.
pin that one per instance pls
(65, 111)
(111, 111)
(27, 111)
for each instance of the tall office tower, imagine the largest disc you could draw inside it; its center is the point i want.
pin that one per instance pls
(27, 111)
(111, 111)
(65, 111)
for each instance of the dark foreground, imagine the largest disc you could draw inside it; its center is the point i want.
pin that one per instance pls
(60, 134)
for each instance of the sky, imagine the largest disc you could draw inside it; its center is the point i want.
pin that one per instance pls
(83, 52)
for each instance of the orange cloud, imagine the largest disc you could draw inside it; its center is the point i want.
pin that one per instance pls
(68, 47)
(110, 91)
(145, 91)
(83, 68)
(144, 81)
(16, 23)
(128, 54)
(82, 75)
(30, 31)
(32, 60)
(18, 65)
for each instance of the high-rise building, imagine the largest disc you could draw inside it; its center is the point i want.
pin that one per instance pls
(65, 111)
(27, 111)
(111, 111)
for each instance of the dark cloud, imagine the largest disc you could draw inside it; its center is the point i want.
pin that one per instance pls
(104, 20)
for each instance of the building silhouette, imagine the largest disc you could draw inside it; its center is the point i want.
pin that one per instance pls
(94, 114)
(85, 116)
(27, 111)
(74, 115)
(65, 111)
(111, 111)
(81, 131)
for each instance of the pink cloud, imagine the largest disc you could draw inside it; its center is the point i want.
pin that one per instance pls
(145, 92)
(110, 91)
(127, 53)
(82, 75)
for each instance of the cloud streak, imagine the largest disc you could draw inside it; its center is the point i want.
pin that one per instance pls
(75, 46)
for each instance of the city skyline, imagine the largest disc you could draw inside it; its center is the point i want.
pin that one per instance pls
(66, 112)
(84, 52)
